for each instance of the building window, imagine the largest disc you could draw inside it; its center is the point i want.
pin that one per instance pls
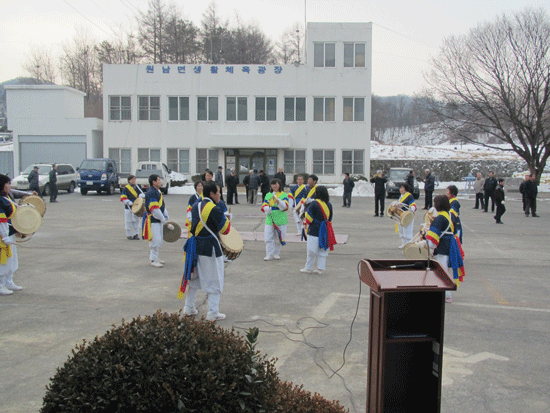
(178, 108)
(178, 160)
(266, 109)
(207, 158)
(295, 161)
(123, 158)
(207, 108)
(323, 162)
(120, 108)
(354, 54)
(354, 109)
(148, 155)
(149, 107)
(295, 109)
(323, 109)
(353, 161)
(324, 54)
(237, 108)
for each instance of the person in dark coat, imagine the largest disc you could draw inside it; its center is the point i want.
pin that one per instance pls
(410, 180)
(522, 190)
(531, 192)
(253, 185)
(33, 179)
(219, 180)
(348, 189)
(53, 183)
(499, 201)
(379, 182)
(281, 176)
(429, 186)
(489, 189)
(232, 181)
(265, 186)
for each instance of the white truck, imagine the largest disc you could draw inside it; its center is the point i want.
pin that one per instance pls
(146, 169)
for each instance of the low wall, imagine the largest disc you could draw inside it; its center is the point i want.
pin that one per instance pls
(450, 170)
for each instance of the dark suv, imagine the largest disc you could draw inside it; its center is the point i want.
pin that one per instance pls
(396, 177)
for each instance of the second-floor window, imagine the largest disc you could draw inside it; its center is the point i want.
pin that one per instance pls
(323, 109)
(266, 108)
(120, 108)
(237, 108)
(295, 109)
(207, 108)
(324, 54)
(178, 108)
(149, 107)
(354, 109)
(354, 54)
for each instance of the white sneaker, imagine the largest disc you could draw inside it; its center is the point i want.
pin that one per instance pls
(305, 270)
(156, 264)
(401, 246)
(5, 291)
(162, 262)
(268, 258)
(215, 316)
(277, 257)
(318, 271)
(190, 311)
(13, 287)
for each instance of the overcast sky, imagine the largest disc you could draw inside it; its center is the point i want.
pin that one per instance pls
(406, 33)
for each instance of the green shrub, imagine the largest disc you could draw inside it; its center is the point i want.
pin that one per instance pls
(166, 363)
(163, 363)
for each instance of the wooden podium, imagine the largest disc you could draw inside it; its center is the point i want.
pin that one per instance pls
(407, 313)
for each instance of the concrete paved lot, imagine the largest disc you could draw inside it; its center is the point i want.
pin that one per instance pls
(81, 276)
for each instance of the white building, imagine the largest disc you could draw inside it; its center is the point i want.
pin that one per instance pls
(49, 126)
(312, 117)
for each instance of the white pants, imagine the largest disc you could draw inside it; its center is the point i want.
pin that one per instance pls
(272, 243)
(11, 265)
(299, 224)
(443, 260)
(209, 277)
(156, 242)
(131, 223)
(314, 252)
(406, 233)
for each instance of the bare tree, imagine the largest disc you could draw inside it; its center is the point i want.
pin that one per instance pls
(80, 69)
(152, 30)
(40, 64)
(214, 32)
(495, 81)
(289, 48)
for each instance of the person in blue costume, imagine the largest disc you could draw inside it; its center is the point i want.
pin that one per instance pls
(9, 262)
(203, 257)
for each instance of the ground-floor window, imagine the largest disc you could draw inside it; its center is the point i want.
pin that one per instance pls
(148, 155)
(123, 158)
(353, 161)
(178, 160)
(295, 161)
(323, 161)
(207, 158)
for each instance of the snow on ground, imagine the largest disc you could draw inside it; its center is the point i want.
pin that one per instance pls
(443, 151)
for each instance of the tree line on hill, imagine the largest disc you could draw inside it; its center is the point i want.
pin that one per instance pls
(163, 36)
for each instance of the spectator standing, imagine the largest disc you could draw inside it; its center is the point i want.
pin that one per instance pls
(232, 181)
(246, 183)
(379, 182)
(531, 192)
(253, 186)
(478, 189)
(219, 180)
(264, 184)
(33, 179)
(282, 177)
(499, 201)
(410, 181)
(53, 183)
(348, 189)
(522, 190)
(429, 186)
(489, 191)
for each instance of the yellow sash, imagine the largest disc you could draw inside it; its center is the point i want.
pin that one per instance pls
(299, 190)
(205, 213)
(132, 190)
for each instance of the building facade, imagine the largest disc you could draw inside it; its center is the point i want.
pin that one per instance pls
(305, 118)
(49, 126)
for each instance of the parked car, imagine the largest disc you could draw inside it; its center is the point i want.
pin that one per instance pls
(97, 174)
(396, 177)
(146, 169)
(66, 178)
